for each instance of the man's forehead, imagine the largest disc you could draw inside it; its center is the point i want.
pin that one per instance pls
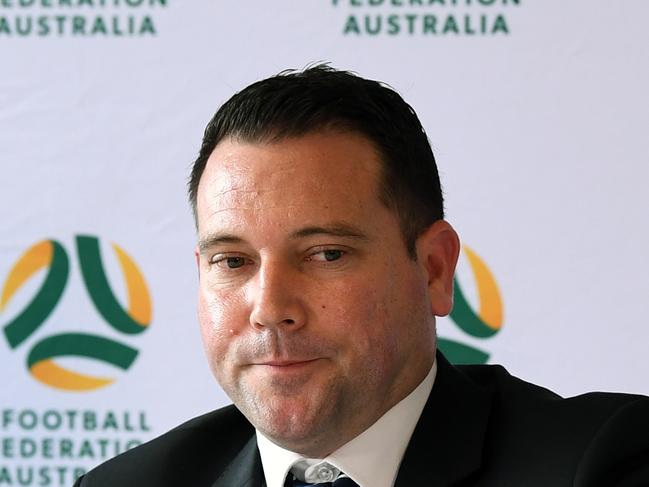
(313, 170)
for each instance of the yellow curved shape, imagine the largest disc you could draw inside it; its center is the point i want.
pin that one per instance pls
(35, 258)
(51, 374)
(491, 305)
(139, 300)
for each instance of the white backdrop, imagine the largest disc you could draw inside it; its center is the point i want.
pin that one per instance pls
(536, 109)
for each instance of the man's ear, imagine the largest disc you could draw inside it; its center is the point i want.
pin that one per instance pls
(437, 252)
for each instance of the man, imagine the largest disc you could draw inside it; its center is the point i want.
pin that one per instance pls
(323, 259)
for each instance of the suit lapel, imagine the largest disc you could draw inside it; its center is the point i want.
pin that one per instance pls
(447, 443)
(245, 470)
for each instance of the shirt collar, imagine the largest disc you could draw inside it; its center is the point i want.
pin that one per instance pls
(359, 458)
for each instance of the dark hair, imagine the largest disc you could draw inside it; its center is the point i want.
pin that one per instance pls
(295, 103)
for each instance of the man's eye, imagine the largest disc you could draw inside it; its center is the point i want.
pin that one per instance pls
(329, 255)
(235, 262)
(231, 262)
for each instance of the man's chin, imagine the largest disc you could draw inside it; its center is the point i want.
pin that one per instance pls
(290, 424)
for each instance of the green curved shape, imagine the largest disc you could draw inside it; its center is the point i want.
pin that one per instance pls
(46, 299)
(99, 289)
(459, 353)
(83, 345)
(466, 318)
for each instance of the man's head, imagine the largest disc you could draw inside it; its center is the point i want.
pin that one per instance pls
(316, 317)
(296, 103)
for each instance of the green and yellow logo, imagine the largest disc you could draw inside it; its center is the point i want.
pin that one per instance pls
(51, 256)
(484, 323)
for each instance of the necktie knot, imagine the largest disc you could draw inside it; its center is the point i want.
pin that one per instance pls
(321, 474)
(340, 482)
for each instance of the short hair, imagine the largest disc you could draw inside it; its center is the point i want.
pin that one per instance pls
(320, 98)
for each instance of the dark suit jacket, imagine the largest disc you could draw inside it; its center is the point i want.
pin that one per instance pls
(480, 427)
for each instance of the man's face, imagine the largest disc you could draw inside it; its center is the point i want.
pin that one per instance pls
(315, 319)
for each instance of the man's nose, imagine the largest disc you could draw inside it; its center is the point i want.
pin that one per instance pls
(276, 297)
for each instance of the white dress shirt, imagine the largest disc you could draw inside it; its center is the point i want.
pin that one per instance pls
(372, 459)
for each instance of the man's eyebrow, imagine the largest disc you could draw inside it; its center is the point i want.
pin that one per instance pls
(216, 239)
(335, 230)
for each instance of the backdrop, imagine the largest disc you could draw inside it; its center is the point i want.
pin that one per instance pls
(537, 112)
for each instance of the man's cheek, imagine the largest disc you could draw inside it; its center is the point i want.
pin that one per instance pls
(215, 337)
(219, 315)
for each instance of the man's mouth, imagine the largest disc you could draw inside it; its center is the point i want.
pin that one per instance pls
(286, 363)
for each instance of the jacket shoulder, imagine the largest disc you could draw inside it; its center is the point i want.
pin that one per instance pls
(595, 439)
(192, 453)
(512, 392)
